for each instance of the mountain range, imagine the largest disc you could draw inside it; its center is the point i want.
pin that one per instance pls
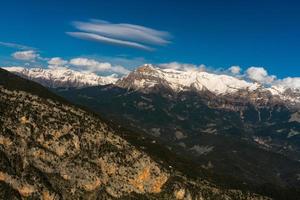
(51, 149)
(149, 77)
(230, 127)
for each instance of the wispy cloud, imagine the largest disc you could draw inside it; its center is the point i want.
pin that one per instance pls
(99, 38)
(91, 65)
(129, 35)
(29, 55)
(182, 66)
(122, 59)
(15, 46)
(57, 62)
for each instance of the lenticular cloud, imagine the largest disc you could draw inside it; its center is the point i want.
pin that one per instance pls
(122, 34)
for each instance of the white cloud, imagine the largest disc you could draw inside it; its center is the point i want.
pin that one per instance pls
(29, 55)
(15, 46)
(235, 70)
(120, 69)
(99, 38)
(259, 74)
(129, 35)
(289, 82)
(57, 61)
(124, 60)
(92, 65)
(125, 31)
(182, 66)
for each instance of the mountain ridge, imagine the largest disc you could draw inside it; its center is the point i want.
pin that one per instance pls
(149, 78)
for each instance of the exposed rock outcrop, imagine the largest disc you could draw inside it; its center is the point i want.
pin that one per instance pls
(77, 154)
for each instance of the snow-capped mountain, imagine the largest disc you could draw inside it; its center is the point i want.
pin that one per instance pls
(149, 77)
(62, 77)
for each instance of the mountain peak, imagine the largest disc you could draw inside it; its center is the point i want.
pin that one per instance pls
(149, 76)
(146, 68)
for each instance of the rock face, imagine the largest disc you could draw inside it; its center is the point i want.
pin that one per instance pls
(75, 152)
(53, 150)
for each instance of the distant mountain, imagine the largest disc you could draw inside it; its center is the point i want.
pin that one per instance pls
(62, 77)
(149, 78)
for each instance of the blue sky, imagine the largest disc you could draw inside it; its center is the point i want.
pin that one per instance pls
(218, 34)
